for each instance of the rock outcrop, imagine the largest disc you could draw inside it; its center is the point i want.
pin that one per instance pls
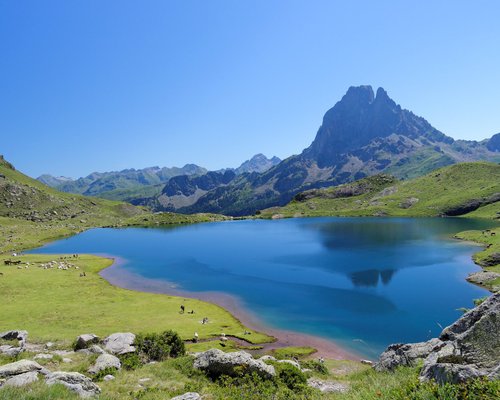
(120, 343)
(328, 386)
(215, 363)
(10, 350)
(469, 348)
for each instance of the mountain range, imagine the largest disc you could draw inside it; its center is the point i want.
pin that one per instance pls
(365, 133)
(130, 184)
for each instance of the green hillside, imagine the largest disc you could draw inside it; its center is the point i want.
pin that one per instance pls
(32, 213)
(460, 189)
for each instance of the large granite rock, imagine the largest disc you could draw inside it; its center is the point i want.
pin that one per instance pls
(22, 379)
(105, 361)
(86, 340)
(120, 343)
(469, 348)
(406, 354)
(75, 382)
(215, 362)
(21, 367)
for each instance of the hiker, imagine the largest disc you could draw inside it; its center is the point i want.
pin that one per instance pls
(182, 309)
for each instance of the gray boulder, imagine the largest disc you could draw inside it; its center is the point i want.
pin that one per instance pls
(406, 354)
(187, 396)
(22, 379)
(75, 382)
(21, 367)
(120, 343)
(105, 361)
(84, 341)
(215, 362)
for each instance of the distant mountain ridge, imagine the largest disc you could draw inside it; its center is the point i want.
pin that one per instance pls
(362, 135)
(131, 184)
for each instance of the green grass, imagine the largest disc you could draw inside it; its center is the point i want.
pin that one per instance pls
(58, 305)
(431, 195)
(293, 351)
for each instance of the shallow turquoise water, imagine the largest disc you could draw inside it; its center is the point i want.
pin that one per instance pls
(363, 282)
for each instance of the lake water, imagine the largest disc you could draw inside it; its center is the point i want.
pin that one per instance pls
(362, 282)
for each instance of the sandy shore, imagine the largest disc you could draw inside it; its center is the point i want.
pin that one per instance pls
(119, 276)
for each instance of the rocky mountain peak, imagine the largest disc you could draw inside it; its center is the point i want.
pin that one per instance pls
(359, 118)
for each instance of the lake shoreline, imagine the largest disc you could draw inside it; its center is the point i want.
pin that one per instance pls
(119, 277)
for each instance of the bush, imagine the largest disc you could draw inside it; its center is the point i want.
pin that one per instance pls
(315, 366)
(292, 377)
(130, 361)
(158, 347)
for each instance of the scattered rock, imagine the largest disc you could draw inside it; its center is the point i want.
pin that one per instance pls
(94, 349)
(75, 382)
(327, 386)
(67, 360)
(142, 380)
(108, 378)
(120, 343)
(44, 357)
(22, 379)
(215, 362)
(84, 341)
(105, 361)
(188, 396)
(366, 362)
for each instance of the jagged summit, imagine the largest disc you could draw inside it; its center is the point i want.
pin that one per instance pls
(360, 117)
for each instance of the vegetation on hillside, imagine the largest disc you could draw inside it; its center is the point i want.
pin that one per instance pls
(454, 190)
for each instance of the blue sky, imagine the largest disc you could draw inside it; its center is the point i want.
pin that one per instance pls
(100, 85)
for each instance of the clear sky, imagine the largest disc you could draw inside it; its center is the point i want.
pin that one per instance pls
(100, 85)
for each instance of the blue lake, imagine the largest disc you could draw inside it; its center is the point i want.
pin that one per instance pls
(362, 282)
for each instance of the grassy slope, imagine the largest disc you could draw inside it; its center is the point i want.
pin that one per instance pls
(432, 195)
(32, 213)
(58, 305)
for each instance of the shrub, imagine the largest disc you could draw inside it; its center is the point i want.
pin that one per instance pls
(315, 366)
(130, 361)
(158, 347)
(292, 377)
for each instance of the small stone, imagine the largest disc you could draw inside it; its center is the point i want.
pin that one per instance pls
(187, 396)
(44, 357)
(142, 380)
(108, 378)
(67, 360)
